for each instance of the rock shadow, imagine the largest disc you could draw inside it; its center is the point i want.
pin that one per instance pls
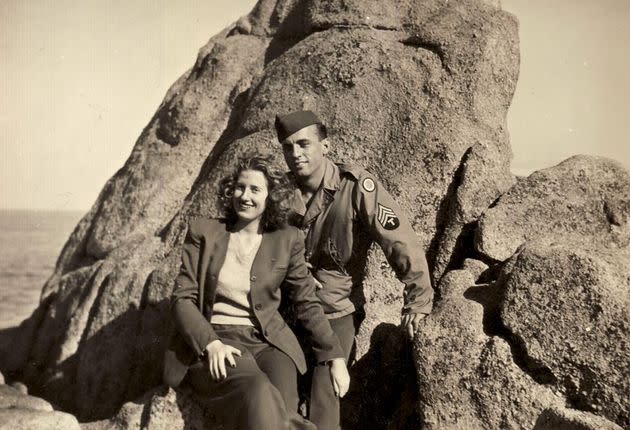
(383, 390)
(92, 388)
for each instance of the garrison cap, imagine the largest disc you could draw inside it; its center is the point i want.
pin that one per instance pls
(288, 124)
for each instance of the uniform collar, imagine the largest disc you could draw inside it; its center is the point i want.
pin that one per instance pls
(327, 189)
(332, 176)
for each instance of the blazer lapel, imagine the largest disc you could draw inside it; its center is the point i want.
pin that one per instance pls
(262, 260)
(216, 256)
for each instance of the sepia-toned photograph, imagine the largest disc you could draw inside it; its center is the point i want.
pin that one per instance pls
(315, 214)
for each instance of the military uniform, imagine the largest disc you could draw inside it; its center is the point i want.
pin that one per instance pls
(349, 211)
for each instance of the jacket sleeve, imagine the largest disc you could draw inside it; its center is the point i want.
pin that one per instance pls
(309, 310)
(390, 228)
(189, 321)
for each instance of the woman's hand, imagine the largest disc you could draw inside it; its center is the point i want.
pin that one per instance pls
(339, 376)
(218, 352)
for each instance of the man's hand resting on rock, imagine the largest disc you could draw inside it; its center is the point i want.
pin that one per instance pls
(410, 323)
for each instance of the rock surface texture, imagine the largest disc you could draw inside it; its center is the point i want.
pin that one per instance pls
(417, 92)
(565, 419)
(158, 409)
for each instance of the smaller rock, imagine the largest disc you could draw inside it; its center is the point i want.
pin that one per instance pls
(243, 26)
(1, 379)
(585, 198)
(20, 387)
(13, 398)
(569, 419)
(475, 267)
(28, 419)
(157, 409)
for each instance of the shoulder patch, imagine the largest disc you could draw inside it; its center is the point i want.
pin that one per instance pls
(368, 185)
(387, 217)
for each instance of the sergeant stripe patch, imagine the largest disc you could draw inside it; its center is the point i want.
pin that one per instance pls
(387, 217)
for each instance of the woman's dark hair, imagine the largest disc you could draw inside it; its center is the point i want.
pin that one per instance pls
(278, 185)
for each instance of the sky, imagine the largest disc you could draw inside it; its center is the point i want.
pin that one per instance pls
(80, 80)
(573, 93)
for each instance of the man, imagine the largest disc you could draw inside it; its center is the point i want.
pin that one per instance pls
(342, 209)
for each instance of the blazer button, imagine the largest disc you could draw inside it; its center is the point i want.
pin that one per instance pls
(253, 278)
(266, 332)
(258, 306)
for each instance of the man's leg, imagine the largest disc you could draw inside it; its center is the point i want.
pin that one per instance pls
(324, 404)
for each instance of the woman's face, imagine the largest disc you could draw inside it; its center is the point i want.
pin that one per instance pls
(250, 195)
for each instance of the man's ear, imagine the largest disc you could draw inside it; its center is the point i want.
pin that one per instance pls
(325, 145)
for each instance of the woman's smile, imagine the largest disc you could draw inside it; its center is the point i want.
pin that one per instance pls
(245, 206)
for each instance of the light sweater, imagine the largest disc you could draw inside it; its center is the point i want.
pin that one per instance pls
(232, 304)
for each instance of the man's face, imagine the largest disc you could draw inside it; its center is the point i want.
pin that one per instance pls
(304, 152)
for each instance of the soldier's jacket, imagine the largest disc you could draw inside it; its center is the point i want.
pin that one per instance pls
(349, 211)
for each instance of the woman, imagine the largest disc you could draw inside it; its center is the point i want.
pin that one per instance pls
(225, 306)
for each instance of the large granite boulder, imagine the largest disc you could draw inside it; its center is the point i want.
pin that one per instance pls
(415, 91)
(566, 293)
(512, 344)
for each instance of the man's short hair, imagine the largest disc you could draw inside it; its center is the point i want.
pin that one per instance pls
(322, 132)
(292, 122)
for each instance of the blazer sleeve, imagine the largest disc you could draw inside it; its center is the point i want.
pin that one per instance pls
(390, 228)
(185, 307)
(309, 310)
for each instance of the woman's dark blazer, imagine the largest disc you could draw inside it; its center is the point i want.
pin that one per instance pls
(279, 261)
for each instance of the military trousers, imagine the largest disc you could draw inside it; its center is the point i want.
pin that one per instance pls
(324, 409)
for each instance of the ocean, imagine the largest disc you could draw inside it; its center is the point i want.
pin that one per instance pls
(30, 242)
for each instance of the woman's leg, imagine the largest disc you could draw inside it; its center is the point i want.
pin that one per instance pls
(246, 399)
(282, 373)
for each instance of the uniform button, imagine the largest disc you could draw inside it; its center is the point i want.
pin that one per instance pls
(266, 333)
(253, 278)
(258, 306)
